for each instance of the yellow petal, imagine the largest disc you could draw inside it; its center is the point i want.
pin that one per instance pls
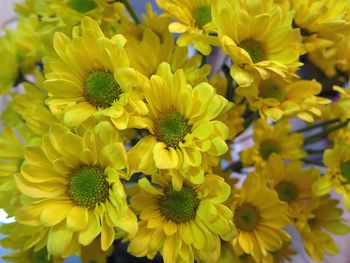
(78, 113)
(59, 239)
(164, 157)
(91, 232)
(107, 235)
(54, 213)
(77, 218)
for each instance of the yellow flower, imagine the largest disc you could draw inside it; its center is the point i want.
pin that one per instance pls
(334, 58)
(92, 78)
(283, 254)
(323, 217)
(259, 38)
(323, 22)
(77, 189)
(337, 176)
(157, 45)
(292, 184)
(184, 223)
(107, 13)
(276, 98)
(233, 119)
(27, 244)
(193, 22)
(259, 217)
(31, 106)
(273, 139)
(12, 143)
(9, 64)
(183, 132)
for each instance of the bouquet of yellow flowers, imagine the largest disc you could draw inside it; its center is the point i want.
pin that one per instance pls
(206, 131)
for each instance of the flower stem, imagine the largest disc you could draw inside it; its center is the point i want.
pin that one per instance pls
(323, 134)
(318, 125)
(130, 10)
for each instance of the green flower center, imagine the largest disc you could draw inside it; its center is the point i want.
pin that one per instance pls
(267, 148)
(202, 15)
(88, 186)
(271, 89)
(83, 6)
(286, 191)
(101, 89)
(41, 256)
(179, 206)
(254, 49)
(246, 217)
(345, 171)
(312, 222)
(171, 128)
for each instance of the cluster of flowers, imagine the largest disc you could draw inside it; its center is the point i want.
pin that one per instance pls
(114, 131)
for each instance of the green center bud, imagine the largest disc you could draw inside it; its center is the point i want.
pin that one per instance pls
(179, 206)
(345, 171)
(202, 15)
(171, 128)
(312, 222)
(271, 89)
(88, 186)
(246, 217)
(267, 148)
(287, 191)
(254, 49)
(83, 6)
(41, 256)
(101, 89)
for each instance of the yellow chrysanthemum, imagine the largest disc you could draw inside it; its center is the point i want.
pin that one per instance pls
(193, 22)
(12, 143)
(282, 255)
(183, 132)
(92, 78)
(259, 217)
(342, 104)
(157, 45)
(232, 115)
(292, 184)
(322, 218)
(333, 59)
(323, 22)
(273, 139)
(77, 189)
(9, 64)
(184, 223)
(337, 176)
(107, 13)
(259, 38)
(27, 244)
(276, 98)
(31, 106)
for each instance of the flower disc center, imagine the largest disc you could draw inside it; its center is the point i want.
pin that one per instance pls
(271, 89)
(267, 148)
(254, 49)
(286, 191)
(171, 128)
(202, 15)
(345, 171)
(246, 217)
(88, 186)
(179, 206)
(83, 6)
(101, 89)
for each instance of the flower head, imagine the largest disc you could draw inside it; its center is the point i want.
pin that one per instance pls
(92, 78)
(185, 222)
(77, 190)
